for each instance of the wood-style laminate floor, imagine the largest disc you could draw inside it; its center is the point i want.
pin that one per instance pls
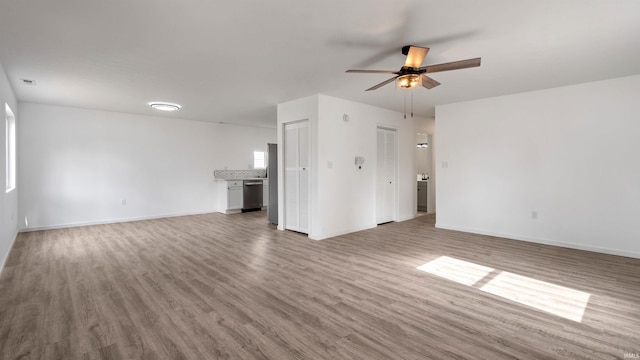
(232, 287)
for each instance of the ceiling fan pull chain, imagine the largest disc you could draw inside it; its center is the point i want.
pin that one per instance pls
(411, 103)
(405, 105)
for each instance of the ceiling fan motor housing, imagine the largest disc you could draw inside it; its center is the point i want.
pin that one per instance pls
(409, 70)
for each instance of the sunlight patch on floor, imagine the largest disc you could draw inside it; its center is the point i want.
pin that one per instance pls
(554, 299)
(460, 271)
(551, 298)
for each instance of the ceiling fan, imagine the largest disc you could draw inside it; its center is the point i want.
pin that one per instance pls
(413, 74)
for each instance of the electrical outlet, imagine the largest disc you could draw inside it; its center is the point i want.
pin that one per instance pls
(124, 201)
(534, 215)
(445, 164)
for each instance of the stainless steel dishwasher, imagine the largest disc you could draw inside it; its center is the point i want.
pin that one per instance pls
(252, 195)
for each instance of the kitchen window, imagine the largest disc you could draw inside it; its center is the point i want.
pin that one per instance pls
(259, 160)
(10, 148)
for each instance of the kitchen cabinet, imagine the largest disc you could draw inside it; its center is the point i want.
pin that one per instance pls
(422, 196)
(230, 196)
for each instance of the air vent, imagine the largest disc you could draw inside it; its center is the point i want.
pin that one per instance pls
(28, 82)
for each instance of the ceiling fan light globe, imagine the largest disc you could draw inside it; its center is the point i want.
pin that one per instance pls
(408, 81)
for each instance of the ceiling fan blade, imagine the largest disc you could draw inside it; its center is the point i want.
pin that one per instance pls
(428, 82)
(455, 65)
(381, 84)
(416, 56)
(372, 71)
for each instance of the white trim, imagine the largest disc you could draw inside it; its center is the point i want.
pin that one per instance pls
(112, 221)
(575, 246)
(4, 261)
(339, 233)
(406, 218)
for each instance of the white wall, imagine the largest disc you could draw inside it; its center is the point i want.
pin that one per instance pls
(343, 198)
(570, 154)
(425, 125)
(77, 165)
(8, 201)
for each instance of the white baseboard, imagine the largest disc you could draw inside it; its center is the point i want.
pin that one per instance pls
(406, 218)
(4, 261)
(110, 221)
(576, 246)
(339, 233)
(352, 230)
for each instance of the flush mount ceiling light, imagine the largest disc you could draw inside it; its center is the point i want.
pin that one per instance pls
(164, 106)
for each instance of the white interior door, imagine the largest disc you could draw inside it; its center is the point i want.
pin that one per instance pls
(386, 189)
(296, 176)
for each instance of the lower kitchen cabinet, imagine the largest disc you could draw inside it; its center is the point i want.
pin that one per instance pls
(230, 196)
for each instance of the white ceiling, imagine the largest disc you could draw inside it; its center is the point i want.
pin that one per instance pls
(233, 61)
